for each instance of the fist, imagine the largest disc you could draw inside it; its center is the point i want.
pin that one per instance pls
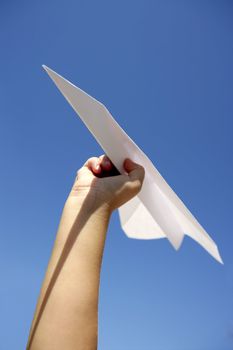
(99, 179)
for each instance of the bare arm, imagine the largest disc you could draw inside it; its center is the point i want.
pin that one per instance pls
(67, 310)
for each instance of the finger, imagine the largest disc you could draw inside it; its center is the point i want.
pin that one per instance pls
(105, 163)
(93, 165)
(108, 168)
(135, 172)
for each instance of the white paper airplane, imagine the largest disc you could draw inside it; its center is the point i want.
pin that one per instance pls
(156, 212)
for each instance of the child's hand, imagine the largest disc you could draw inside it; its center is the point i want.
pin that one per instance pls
(99, 177)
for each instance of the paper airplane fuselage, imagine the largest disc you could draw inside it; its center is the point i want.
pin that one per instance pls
(156, 212)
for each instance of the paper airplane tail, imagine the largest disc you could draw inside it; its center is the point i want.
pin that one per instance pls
(138, 223)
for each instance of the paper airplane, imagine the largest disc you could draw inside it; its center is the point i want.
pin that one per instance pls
(156, 212)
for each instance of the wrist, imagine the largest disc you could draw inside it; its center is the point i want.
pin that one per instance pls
(89, 202)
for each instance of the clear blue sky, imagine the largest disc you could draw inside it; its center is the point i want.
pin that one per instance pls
(165, 71)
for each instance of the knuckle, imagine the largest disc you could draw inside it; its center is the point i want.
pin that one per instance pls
(141, 171)
(91, 159)
(137, 185)
(133, 186)
(78, 172)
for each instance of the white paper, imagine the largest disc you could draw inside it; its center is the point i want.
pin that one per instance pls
(156, 212)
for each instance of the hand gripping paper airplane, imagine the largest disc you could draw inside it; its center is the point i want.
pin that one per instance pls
(156, 212)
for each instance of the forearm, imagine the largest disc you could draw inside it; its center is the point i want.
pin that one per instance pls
(69, 295)
(67, 310)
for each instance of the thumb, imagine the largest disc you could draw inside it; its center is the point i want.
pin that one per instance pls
(126, 186)
(135, 172)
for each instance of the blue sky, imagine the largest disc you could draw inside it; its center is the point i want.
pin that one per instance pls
(164, 69)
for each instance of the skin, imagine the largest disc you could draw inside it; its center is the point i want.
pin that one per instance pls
(66, 315)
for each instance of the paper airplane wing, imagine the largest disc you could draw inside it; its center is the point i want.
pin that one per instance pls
(137, 222)
(157, 211)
